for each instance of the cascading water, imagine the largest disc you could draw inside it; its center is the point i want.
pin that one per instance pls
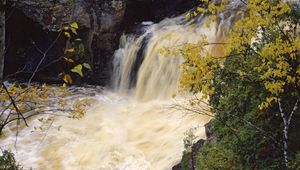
(158, 76)
(127, 129)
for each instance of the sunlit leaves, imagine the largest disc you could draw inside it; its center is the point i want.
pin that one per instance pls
(74, 25)
(65, 28)
(72, 28)
(263, 29)
(67, 78)
(74, 54)
(78, 69)
(67, 34)
(70, 50)
(35, 100)
(211, 9)
(69, 60)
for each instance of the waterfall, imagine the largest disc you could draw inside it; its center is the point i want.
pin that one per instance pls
(151, 75)
(133, 127)
(157, 76)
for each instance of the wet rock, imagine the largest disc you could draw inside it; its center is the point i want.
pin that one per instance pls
(99, 20)
(36, 23)
(189, 159)
(209, 132)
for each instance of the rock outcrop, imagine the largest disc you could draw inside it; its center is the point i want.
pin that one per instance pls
(189, 159)
(33, 25)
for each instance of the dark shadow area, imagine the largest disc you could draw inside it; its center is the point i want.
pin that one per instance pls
(138, 11)
(26, 41)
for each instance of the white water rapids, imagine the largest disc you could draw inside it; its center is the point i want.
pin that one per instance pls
(118, 133)
(133, 127)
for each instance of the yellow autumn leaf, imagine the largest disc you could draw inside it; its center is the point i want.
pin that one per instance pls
(67, 34)
(67, 79)
(69, 60)
(242, 73)
(187, 16)
(74, 25)
(66, 28)
(78, 69)
(71, 50)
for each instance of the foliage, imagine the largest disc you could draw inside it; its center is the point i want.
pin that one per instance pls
(8, 162)
(189, 140)
(269, 31)
(296, 162)
(253, 83)
(241, 126)
(185, 162)
(74, 54)
(117, 4)
(217, 156)
(36, 100)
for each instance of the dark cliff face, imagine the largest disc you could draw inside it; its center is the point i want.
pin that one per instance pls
(33, 25)
(155, 10)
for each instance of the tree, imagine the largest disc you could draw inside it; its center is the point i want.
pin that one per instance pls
(267, 31)
(253, 134)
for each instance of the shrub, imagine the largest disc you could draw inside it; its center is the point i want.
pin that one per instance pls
(8, 162)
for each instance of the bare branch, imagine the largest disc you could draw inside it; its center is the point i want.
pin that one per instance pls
(14, 104)
(43, 58)
(207, 111)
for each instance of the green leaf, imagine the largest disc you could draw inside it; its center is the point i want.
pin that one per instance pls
(87, 65)
(73, 30)
(78, 69)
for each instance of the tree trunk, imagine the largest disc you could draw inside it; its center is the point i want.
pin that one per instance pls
(285, 143)
(2, 37)
(286, 122)
(285, 133)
